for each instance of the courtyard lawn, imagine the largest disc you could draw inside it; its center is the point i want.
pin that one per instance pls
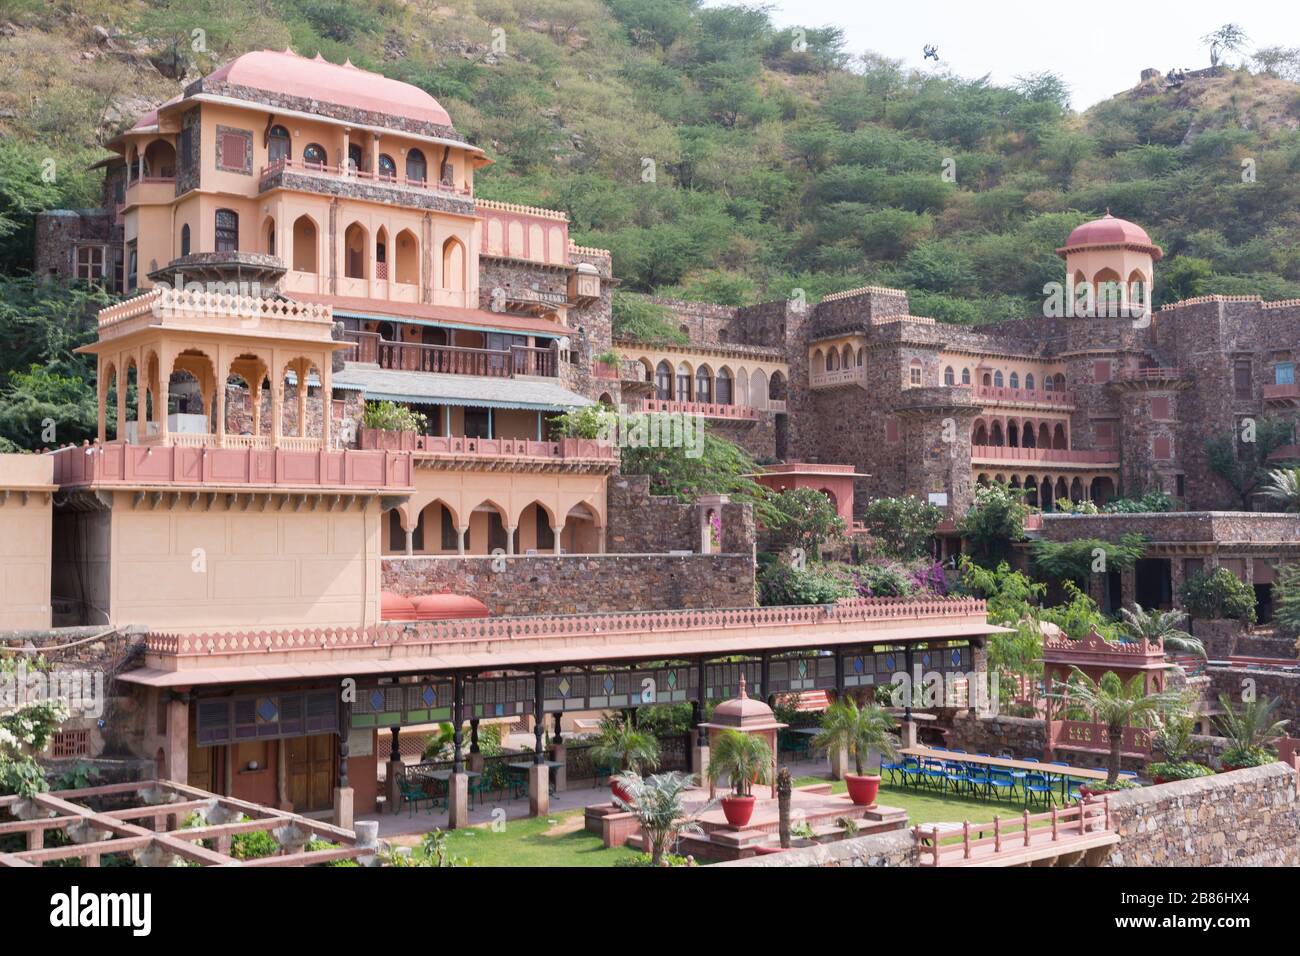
(927, 806)
(554, 840)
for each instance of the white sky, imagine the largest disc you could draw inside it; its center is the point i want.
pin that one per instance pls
(1098, 46)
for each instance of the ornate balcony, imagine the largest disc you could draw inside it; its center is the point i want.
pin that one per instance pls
(512, 454)
(351, 183)
(1023, 397)
(1066, 457)
(1283, 394)
(840, 378)
(703, 409)
(175, 467)
(371, 348)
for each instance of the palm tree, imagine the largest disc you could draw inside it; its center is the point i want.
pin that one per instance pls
(857, 730)
(1116, 705)
(1157, 625)
(656, 802)
(1284, 486)
(622, 747)
(1250, 728)
(745, 759)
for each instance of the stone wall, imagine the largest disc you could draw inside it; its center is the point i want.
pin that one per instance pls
(1243, 818)
(1023, 736)
(579, 584)
(1279, 684)
(641, 523)
(896, 848)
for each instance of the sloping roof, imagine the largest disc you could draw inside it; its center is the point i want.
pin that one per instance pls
(434, 314)
(429, 388)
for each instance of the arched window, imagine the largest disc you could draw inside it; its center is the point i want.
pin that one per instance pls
(703, 385)
(683, 383)
(861, 353)
(407, 258)
(279, 147)
(965, 376)
(185, 239)
(387, 168)
(381, 253)
(997, 379)
(1015, 380)
(832, 360)
(846, 357)
(723, 396)
(315, 155)
(664, 382)
(356, 252)
(417, 170)
(949, 376)
(453, 265)
(304, 244)
(1029, 381)
(1048, 384)
(227, 231)
(356, 157)
(988, 380)
(268, 236)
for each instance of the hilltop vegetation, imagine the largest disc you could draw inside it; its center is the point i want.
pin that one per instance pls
(719, 157)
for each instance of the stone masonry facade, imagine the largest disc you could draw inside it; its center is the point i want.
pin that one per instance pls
(579, 584)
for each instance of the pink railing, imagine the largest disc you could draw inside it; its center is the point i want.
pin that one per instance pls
(1035, 396)
(1077, 456)
(705, 409)
(1095, 738)
(459, 445)
(449, 360)
(1288, 390)
(348, 172)
(1056, 828)
(118, 463)
(568, 625)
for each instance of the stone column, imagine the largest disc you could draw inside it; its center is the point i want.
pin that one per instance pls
(558, 532)
(343, 795)
(907, 733)
(410, 541)
(302, 398)
(219, 397)
(476, 760)
(539, 795)
(395, 771)
(510, 540)
(178, 736)
(326, 402)
(1128, 586)
(121, 407)
(839, 758)
(458, 800)
(558, 753)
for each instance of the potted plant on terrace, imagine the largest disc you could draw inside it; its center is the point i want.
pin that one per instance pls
(744, 759)
(1250, 728)
(391, 426)
(858, 731)
(623, 749)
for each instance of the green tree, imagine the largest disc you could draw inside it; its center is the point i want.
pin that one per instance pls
(1116, 705)
(903, 526)
(857, 730)
(656, 802)
(1219, 594)
(803, 518)
(623, 747)
(1243, 464)
(1286, 599)
(995, 521)
(744, 759)
(1251, 727)
(1156, 625)
(41, 408)
(1284, 486)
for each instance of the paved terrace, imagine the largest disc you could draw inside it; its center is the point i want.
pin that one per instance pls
(175, 660)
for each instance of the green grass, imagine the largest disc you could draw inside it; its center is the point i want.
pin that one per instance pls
(526, 843)
(925, 806)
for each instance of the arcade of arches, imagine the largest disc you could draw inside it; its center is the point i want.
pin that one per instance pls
(1044, 490)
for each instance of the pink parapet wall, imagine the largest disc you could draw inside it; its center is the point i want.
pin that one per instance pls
(119, 463)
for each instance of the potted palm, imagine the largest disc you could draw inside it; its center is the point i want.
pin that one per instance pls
(1115, 705)
(656, 802)
(744, 759)
(858, 731)
(1175, 741)
(1250, 728)
(1154, 625)
(623, 749)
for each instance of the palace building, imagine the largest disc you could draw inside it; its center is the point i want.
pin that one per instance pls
(298, 241)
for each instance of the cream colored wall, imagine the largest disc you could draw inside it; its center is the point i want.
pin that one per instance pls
(201, 569)
(26, 540)
(978, 365)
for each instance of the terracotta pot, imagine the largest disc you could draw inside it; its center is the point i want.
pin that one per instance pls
(1158, 780)
(738, 810)
(862, 789)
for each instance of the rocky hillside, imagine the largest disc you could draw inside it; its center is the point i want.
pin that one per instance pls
(718, 156)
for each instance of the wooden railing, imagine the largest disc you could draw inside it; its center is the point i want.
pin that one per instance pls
(1057, 828)
(448, 359)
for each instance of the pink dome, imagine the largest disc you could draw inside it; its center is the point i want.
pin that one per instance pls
(445, 607)
(289, 74)
(394, 607)
(1109, 231)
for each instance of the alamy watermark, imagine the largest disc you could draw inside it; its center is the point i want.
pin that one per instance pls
(654, 430)
(81, 691)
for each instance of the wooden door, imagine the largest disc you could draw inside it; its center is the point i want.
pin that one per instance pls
(202, 766)
(311, 771)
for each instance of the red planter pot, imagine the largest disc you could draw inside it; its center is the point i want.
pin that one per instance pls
(620, 791)
(738, 810)
(862, 790)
